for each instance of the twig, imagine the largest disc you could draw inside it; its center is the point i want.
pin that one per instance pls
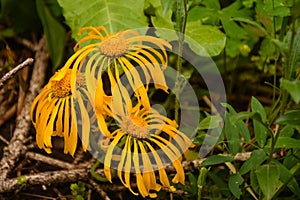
(99, 190)
(12, 72)
(4, 140)
(44, 178)
(50, 161)
(209, 103)
(8, 114)
(16, 146)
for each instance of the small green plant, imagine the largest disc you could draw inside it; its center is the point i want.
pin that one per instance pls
(78, 191)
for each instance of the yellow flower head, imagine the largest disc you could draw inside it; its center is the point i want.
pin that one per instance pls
(142, 142)
(52, 113)
(57, 111)
(119, 53)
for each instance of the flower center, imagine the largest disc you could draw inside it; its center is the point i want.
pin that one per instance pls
(113, 47)
(135, 126)
(62, 88)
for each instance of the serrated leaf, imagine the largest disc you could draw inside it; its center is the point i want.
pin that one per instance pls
(257, 158)
(216, 159)
(115, 15)
(268, 178)
(234, 183)
(55, 33)
(293, 88)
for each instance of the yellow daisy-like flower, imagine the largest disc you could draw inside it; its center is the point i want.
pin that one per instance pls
(142, 142)
(53, 112)
(120, 52)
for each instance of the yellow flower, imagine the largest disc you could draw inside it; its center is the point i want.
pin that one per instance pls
(53, 113)
(119, 53)
(142, 142)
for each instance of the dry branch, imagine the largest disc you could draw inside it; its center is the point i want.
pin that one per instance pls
(44, 178)
(12, 72)
(16, 147)
(49, 160)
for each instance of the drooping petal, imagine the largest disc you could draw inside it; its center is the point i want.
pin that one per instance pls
(139, 178)
(108, 156)
(163, 177)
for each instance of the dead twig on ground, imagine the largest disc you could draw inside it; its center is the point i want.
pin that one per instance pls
(44, 178)
(16, 146)
(11, 73)
(50, 161)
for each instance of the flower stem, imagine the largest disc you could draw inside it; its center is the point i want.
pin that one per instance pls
(181, 31)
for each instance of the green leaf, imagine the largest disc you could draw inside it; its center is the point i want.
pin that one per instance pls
(206, 39)
(287, 178)
(268, 178)
(202, 176)
(257, 158)
(294, 62)
(293, 88)
(254, 182)
(286, 131)
(291, 118)
(287, 142)
(216, 159)
(232, 134)
(234, 182)
(210, 122)
(260, 131)
(115, 15)
(55, 33)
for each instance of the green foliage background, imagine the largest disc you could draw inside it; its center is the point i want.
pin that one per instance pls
(253, 42)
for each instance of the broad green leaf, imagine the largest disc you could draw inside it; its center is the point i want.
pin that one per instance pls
(237, 119)
(268, 177)
(257, 158)
(287, 178)
(291, 159)
(293, 88)
(232, 134)
(205, 39)
(210, 122)
(219, 181)
(287, 142)
(115, 15)
(267, 48)
(216, 159)
(234, 10)
(256, 106)
(260, 131)
(234, 183)
(254, 182)
(233, 129)
(55, 33)
(193, 183)
(163, 21)
(291, 118)
(286, 131)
